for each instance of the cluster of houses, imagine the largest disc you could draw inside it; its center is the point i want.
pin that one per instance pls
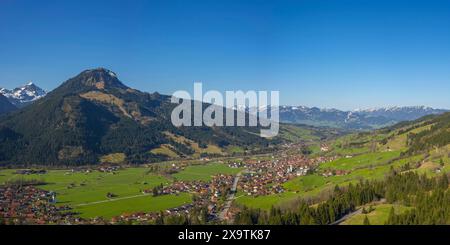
(108, 168)
(266, 177)
(31, 171)
(324, 148)
(143, 217)
(30, 205)
(335, 172)
(212, 190)
(177, 187)
(207, 195)
(235, 164)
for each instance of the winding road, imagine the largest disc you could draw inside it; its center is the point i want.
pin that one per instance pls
(229, 201)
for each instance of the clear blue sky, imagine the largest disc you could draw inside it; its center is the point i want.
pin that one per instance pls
(341, 54)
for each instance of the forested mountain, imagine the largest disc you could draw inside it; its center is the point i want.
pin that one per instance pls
(94, 114)
(436, 136)
(5, 105)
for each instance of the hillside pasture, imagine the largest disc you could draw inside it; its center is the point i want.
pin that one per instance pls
(378, 216)
(361, 161)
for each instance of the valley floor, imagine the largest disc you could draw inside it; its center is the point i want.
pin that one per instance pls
(223, 186)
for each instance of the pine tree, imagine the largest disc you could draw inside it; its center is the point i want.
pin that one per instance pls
(155, 192)
(391, 216)
(366, 221)
(443, 182)
(364, 211)
(337, 190)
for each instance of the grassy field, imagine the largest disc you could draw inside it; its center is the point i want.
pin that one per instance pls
(166, 150)
(235, 149)
(264, 202)
(378, 216)
(113, 158)
(360, 161)
(305, 183)
(294, 133)
(78, 189)
(130, 205)
(398, 142)
(204, 172)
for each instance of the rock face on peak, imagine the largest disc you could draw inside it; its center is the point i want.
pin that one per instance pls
(99, 79)
(24, 95)
(93, 115)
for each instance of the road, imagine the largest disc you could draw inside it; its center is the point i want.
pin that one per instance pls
(358, 211)
(111, 200)
(346, 217)
(230, 198)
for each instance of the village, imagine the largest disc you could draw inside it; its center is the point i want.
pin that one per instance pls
(257, 177)
(30, 205)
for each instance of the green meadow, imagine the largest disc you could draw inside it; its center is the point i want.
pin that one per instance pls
(361, 161)
(204, 172)
(378, 216)
(130, 205)
(87, 192)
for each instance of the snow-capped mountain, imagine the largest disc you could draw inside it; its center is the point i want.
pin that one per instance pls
(406, 113)
(356, 119)
(24, 95)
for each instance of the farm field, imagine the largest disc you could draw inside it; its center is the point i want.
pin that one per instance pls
(360, 161)
(204, 172)
(87, 192)
(135, 204)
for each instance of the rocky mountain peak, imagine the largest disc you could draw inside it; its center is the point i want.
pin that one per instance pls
(100, 78)
(23, 95)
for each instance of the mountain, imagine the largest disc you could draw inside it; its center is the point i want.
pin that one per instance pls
(94, 116)
(355, 120)
(408, 113)
(435, 136)
(24, 95)
(5, 105)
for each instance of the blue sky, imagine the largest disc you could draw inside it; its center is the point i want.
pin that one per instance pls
(340, 54)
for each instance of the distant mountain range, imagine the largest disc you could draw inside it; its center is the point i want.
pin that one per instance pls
(23, 95)
(355, 120)
(351, 120)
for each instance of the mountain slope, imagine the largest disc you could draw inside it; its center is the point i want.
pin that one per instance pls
(24, 95)
(428, 136)
(93, 115)
(437, 134)
(358, 119)
(5, 105)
